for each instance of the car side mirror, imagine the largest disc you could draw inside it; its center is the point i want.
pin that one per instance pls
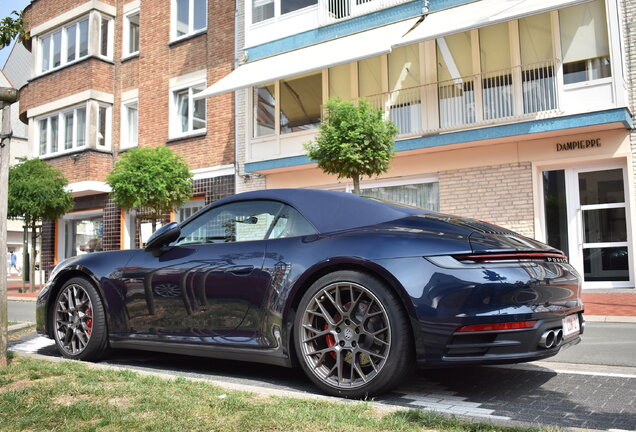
(163, 237)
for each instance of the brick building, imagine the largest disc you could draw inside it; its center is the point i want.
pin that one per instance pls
(109, 75)
(514, 112)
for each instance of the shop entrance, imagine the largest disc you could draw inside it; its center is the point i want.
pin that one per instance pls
(586, 215)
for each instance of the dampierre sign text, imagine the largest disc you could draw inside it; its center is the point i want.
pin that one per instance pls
(579, 145)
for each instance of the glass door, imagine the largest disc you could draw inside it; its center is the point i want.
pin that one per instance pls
(602, 218)
(586, 216)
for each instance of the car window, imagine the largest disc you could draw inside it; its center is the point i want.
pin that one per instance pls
(290, 223)
(234, 222)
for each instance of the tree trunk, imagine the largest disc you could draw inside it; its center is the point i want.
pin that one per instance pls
(33, 259)
(4, 182)
(25, 256)
(356, 183)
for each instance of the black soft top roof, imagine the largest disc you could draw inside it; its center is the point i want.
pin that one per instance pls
(328, 210)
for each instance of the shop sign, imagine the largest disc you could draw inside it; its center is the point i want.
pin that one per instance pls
(578, 145)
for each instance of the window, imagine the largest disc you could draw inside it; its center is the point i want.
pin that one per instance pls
(404, 90)
(497, 91)
(83, 235)
(584, 42)
(105, 37)
(234, 222)
(265, 9)
(189, 17)
(131, 33)
(300, 101)
(130, 121)
(423, 195)
(456, 87)
(188, 209)
(103, 125)
(264, 110)
(535, 38)
(64, 46)
(62, 131)
(189, 115)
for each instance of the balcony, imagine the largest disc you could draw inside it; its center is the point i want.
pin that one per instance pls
(274, 20)
(332, 11)
(515, 94)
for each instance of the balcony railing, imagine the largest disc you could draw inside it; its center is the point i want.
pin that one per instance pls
(332, 11)
(512, 94)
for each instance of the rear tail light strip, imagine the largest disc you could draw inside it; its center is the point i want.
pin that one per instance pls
(517, 325)
(513, 256)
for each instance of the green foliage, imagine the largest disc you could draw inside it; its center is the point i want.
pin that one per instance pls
(36, 192)
(353, 140)
(152, 178)
(11, 27)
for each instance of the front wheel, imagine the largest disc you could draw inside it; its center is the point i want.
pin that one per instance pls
(79, 321)
(352, 336)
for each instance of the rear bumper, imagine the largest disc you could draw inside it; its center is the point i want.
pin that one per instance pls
(498, 347)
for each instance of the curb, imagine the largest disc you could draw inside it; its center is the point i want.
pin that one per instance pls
(22, 299)
(17, 327)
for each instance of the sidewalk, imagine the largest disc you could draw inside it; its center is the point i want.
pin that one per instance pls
(600, 305)
(13, 291)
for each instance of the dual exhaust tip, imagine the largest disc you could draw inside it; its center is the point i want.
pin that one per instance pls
(551, 338)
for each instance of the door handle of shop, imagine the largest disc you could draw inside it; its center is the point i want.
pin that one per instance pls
(240, 270)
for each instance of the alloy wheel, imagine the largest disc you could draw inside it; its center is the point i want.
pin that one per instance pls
(345, 335)
(73, 319)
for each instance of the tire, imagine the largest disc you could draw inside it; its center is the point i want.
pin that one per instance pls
(352, 336)
(78, 321)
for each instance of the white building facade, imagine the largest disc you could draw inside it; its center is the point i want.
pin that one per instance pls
(516, 112)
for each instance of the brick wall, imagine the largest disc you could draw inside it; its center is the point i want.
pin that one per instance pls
(40, 11)
(84, 165)
(500, 194)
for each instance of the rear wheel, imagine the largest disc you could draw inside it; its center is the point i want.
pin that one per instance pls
(352, 336)
(78, 320)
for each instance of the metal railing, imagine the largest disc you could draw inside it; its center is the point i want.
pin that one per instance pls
(336, 10)
(518, 92)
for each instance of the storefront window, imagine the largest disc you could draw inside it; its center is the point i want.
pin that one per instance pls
(424, 195)
(84, 235)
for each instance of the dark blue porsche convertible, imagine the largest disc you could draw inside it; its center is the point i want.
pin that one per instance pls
(355, 290)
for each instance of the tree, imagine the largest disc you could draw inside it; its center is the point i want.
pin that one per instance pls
(36, 193)
(353, 140)
(153, 179)
(11, 28)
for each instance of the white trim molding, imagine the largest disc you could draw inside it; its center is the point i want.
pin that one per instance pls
(88, 187)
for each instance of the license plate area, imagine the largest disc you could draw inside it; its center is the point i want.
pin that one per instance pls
(571, 326)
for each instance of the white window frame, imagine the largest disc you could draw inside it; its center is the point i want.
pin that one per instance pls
(108, 127)
(110, 37)
(174, 127)
(191, 30)
(61, 131)
(125, 126)
(126, 34)
(63, 45)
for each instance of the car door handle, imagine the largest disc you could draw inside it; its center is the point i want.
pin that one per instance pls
(240, 270)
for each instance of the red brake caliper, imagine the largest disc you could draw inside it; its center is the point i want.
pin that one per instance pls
(89, 320)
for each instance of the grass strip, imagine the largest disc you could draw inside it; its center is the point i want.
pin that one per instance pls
(38, 395)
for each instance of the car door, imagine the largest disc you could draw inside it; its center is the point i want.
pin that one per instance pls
(209, 285)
